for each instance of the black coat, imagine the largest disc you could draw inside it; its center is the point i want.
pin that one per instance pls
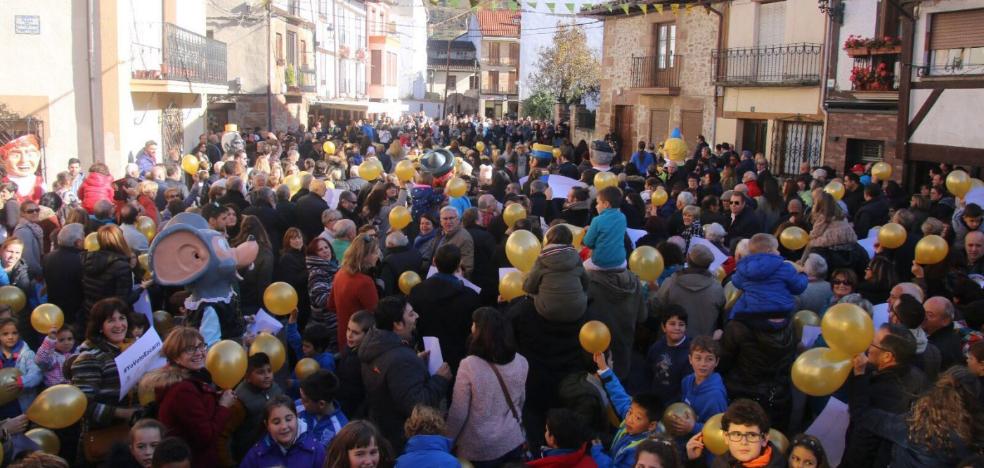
(63, 277)
(106, 273)
(950, 344)
(578, 214)
(873, 213)
(746, 225)
(891, 390)
(292, 270)
(255, 281)
(445, 312)
(756, 361)
(271, 224)
(234, 197)
(853, 199)
(396, 261)
(307, 213)
(485, 274)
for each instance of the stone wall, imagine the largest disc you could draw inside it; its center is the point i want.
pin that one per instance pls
(842, 126)
(251, 111)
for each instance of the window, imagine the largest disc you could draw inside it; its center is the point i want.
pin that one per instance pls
(452, 83)
(430, 76)
(665, 44)
(323, 8)
(303, 52)
(278, 52)
(493, 82)
(291, 48)
(795, 143)
(957, 42)
(514, 53)
(376, 67)
(473, 82)
(864, 151)
(491, 50)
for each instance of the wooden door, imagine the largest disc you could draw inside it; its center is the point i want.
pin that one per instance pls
(691, 125)
(659, 125)
(624, 123)
(753, 135)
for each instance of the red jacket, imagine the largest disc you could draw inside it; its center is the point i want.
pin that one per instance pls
(149, 207)
(190, 410)
(579, 459)
(95, 187)
(350, 294)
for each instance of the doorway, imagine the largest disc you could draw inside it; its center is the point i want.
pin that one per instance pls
(753, 135)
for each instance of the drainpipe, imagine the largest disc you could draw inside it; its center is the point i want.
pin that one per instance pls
(720, 44)
(269, 55)
(90, 38)
(824, 71)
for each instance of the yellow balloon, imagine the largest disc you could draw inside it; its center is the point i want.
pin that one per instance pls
(163, 322)
(13, 297)
(804, 318)
(680, 410)
(779, 440)
(306, 367)
(58, 407)
(513, 213)
(329, 148)
(370, 169)
(480, 146)
(144, 260)
(931, 250)
(604, 180)
(646, 262)
(659, 196)
(721, 273)
(577, 232)
(407, 280)
(881, 171)
(91, 242)
(847, 328)
(399, 217)
(556, 152)
(190, 164)
(147, 227)
(271, 346)
(820, 371)
(891, 236)
(146, 394)
(511, 286)
(405, 171)
(976, 183)
(456, 187)
(794, 238)
(731, 295)
(958, 183)
(46, 439)
(280, 298)
(714, 435)
(226, 361)
(835, 189)
(594, 337)
(293, 183)
(522, 248)
(46, 317)
(8, 376)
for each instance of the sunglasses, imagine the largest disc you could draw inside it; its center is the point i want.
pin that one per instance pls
(841, 283)
(737, 203)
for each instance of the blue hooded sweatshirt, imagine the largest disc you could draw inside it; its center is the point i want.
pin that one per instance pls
(622, 453)
(605, 238)
(769, 285)
(322, 428)
(428, 450)
(707, 399)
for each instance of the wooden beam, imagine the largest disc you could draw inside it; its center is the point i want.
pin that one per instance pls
(922, 112)
(957, 155)
(948, 84)
(772, 116)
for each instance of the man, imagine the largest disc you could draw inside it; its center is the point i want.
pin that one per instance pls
(328, 219)
(394, 375)
(147, 158)
(446, 305)
(348, 204)
(172, 179)
(453, 233)
(885, 380)
(75, 174)
(974, 252)
(642, 159)
(234, 195)
(853, 193)
(30, 233)
(400, 257)
(941, 332)
(697, 291)
(965, 220)
(744, 222)
(133, 237)
(485, 275)
(214, 149)
(63, 271)
(874, 211)
(942, 204)
(308, 209)
(343, 232)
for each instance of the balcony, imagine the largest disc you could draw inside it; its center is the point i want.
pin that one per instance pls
(500, 90)
(659, 72)
(781, 65)
(181, 56)
(501, 61)
(307, 80)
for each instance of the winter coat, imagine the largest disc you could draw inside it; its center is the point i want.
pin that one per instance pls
(873, 213)
(428, 450)
(351, 392)
(769, 285)
(321, 276)
(907, 454)
(558, 284)
(271, 223)
(463, 240)
(485, 275)
(95, 187)
(255, 280)
(190, 409)
(63, 279)
(445, 306)
(18, 276)
(777, 459)
(618, 301)
(424, 199)
(32, 236)
(94, 372)
(349, 294)
(21, 357)
(756, 361)
(479, 419)
(950, 343)
(707, 399)
(106, 273)
(51, 361)
(561, 458)
(253, 401)
(700, 294)
(396, 380)
(576, 214)
(605, 239)
(294, 340)
(292, 270)
(306, 452)
(323, 428)
(397, 261)
(622, 451)
(815, 297)
(744, 226)
(307, 215)
(832, 234)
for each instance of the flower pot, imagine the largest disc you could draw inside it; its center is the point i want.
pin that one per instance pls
(857, 51)
(886, 50)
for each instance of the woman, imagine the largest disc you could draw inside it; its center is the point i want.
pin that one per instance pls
(30, 233)
(489, 392)
(806, 451)
(322, 267)
(97, 185)
(353, 289)
(190, 405)
(843, 281)
(109, 271)
(818, 290)
(373, 205)
(292, 270)
(11, 252)
(94, 371)
(634, 210)
(259, 275)
(147, 194)
(879, 279)
(283, 445)
(728, 179)
(426, 241)
(832, 236)
(359, 445)
(770, 204)
(790, 191)
(943, 426)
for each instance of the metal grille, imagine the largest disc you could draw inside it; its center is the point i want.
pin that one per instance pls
(791, 64)
(192, 57)
(172, 128)
(654, 72)
(794, 143)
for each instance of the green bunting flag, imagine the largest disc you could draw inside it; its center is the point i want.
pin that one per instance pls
(625, 8)
(609, 5)
(550, 6)
(532, 5)
(645, 8)
(570, 7)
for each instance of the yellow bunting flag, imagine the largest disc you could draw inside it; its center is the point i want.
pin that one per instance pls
(645, 8)
(689, 8)
(625, 8)
(659, 8)
(675, 8)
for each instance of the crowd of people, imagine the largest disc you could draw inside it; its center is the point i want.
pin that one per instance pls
(513, 386)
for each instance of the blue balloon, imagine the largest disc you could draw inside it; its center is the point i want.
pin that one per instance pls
(676, 133)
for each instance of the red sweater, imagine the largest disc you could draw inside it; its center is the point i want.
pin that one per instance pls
(350, 293)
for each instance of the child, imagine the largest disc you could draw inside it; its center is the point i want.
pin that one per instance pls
(668, 357)
(657, 451)
(426, 444)
(139, 325)
(54, 350)
(16, 353)
(351, 393)
(769, 283)
(314, 344)
(746, 431)
(253, 393)
(172, 452)
(285, 443)
(639, 414)
(318, 412)
(704, 389)
(557, 281)
(567, 441)
(605, 236)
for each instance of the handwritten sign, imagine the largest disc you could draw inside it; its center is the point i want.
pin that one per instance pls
(138, 359)
(264, 322)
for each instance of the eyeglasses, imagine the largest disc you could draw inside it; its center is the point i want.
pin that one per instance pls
(841, 283)
(880, 348)
(750, 437)
(736, 203)
(194, 349)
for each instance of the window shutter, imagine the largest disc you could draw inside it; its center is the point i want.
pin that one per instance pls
(957, 30)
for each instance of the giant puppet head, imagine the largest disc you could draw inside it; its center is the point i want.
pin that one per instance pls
(675, 148)
(187, 253)
(21, 156)
(232, 141)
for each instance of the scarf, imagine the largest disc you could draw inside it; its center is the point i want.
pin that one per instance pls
(762, 461)
(921, 339)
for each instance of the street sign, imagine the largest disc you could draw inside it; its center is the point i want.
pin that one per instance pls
(27, 24)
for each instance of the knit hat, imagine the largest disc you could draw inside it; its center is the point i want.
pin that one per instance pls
(700, 256)
(541, 151)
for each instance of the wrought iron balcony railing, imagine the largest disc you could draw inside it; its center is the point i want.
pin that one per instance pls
(181, 55)
(779, 65)
(656, 71)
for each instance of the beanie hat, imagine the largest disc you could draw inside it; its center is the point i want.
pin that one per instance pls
(700, 256)
(541, 151)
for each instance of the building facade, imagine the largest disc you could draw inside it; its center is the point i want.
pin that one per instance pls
(495, 35)
(384, 59)
(453, 75)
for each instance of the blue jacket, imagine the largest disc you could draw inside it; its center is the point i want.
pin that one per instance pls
(323, 428)
(605, 238)
(642, 160)
(707, 399)
(460, 203)
(622, 452)
(306, 452)
(769, 285)
(428, 450)
(325, 359)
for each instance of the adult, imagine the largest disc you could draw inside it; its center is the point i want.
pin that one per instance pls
(818, 290)
(426, 241)
(489, 393)
(843, 281)
(147, 158)
(259, 274)
(832, 236)
(698, 291)
(618, 302)
(874, 211)
(973, 259)
(396, 379)
(109, 271)
(292, 269)
(342, 233)
(353, 288)
(743, 222)
(453, 233)
(62, 270)
(940, 330)
(400, 257)
(485, 274)
(13, 265)
(906, 310)
(135, 239)
(308, 209)
(853, 194)
(328, 219)
(261, 205)
(29, 232)
(322, 265)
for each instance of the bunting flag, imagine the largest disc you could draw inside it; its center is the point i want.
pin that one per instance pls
(625, 8)
(659, 8)
(609, 5)
(513, 6)
(645, 8)
(587, 7)
(675, 8)
(689, 8)
(550, 6)
(532, 5)
(570, 7)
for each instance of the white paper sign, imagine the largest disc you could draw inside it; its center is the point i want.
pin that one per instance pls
(719, 258)
(140, 357)
(561, 186)
(264, 322)
(635, 234)
(831, 427)
(142, 306)
(879, 315)
(869, 242)
(433, 271)
(810, 335)
(331, 197)
(435, 359)
(505, 271)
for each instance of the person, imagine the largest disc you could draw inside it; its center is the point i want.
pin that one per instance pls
(874, 211)
(697, 291)
(396, 379)
(657, 452)
(843, 281)
(322, 266)
(56, 348)
(15, 353)
(259, 274)
(400, 258)
(141, 442)
(342, 233)
(746, 429)
(879, 278)
(359, 445)
(426, 241)
(97, 186)
(30, 233)
(816, 296)
(452, 232)
(190, 405)
(135, 239)
(109, 271)
(316, 342)
(604, 236)
(284, 444)
(940, 330)
(292, 269)
(831, 233)
(639, 416)
(704, 389)
(351, 393)
(62, 270)
(489, 393)
(558, 281)
(975, 362)
(743, 221)
(642, 159)
(253, 393)
(906, 310)
(768, 282)
(806, 451)
(353, 289)
(445, 304)
(321, 417)
(568, 442)
(426, 443)
(668, 358)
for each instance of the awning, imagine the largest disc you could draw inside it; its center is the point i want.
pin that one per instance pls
(388, 108)
(342, 104)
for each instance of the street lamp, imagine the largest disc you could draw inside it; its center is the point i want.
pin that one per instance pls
(833, 8)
